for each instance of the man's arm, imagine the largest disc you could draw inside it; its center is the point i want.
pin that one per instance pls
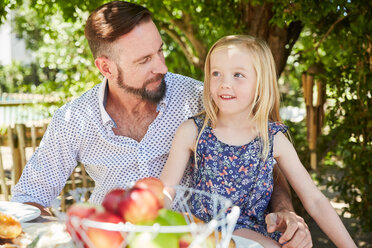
(45, 174)
(283, 217)
(44, 211)
(281, 197)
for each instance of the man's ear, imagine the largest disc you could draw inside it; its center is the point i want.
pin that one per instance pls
(105, 66)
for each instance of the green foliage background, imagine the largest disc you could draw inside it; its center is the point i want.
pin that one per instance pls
(334, 34)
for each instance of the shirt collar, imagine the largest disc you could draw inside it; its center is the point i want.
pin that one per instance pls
(163, 103)
(102, 97)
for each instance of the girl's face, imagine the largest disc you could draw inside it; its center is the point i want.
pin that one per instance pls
(233, 79)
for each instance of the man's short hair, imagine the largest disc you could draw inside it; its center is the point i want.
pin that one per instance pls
(110, 21)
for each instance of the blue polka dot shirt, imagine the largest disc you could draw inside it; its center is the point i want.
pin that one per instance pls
(81, 131)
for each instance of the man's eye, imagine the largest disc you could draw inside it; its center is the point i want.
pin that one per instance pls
(238, 75)
(145, 60)
(215, 74)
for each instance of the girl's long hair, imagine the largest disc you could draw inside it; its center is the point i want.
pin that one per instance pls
(266, 102)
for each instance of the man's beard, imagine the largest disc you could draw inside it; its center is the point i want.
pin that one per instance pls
(154, 96)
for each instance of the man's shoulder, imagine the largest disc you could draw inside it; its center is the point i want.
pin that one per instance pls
(184, 94)
(86, 98)
(183, 84)
(181, 80)
(78, 106)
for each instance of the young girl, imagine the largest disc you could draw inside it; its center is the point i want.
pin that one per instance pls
(239, 138)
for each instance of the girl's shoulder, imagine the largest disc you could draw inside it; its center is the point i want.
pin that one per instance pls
(198, 120)
(275, 127)
(187, 127)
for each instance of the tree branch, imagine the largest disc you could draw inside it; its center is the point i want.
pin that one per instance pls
(189, 30)
(186, 49)
(324, 36)
(329, 31)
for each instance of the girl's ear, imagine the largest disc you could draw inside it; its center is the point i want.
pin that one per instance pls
(106, 67)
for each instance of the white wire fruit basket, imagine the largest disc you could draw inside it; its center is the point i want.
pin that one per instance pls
(218, 229)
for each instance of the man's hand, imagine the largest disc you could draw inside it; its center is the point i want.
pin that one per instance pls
(44, 211)
(295, 231)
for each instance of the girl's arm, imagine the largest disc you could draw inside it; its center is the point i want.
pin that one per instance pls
(258, 237)
(179, 155)
(316, 204)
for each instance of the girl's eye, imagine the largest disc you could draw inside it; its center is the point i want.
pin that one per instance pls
(238, 75)
(215, 74)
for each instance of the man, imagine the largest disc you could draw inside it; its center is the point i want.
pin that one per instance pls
(121, 130)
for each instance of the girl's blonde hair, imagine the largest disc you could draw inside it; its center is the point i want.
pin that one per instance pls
(265, 106)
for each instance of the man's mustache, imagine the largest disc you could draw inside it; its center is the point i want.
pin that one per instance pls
(154, 79)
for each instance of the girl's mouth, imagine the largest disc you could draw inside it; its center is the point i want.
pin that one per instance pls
(226, 97)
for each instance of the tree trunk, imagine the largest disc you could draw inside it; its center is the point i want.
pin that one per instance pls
(256, 20)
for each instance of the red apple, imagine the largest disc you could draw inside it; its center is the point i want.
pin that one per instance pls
(111, 200)
(183, 243)
(101, 238)
(81, 211)
(153, 184)
(185, 240)
(139, 205)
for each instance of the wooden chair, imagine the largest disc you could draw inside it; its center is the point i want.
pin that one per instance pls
(21, 137)
(4, 185)
(17, 142)
(16, 155)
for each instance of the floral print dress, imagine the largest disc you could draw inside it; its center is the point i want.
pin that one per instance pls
(237, 173)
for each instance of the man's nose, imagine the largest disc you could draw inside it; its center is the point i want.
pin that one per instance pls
(159, 66)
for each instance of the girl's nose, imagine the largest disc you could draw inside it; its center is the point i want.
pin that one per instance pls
(225, 83)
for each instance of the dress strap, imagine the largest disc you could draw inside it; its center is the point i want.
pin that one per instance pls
(275, 127)
(199, 120)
